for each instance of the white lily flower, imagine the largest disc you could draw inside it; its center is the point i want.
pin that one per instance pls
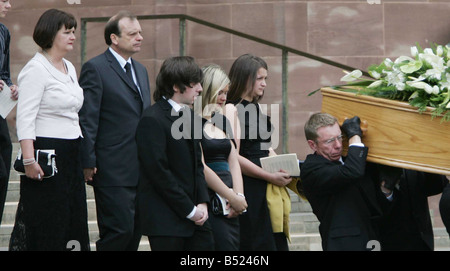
(439, 50)
(448, 105)
(437, 64)
(352, 76)
(422, 85)
(436, 72)
(375, 74)
(435, 90)
(414, 51)
(419, 85)
(375, 84)
(430, 58)
(396, 78)
(388, 63)
(428, 51)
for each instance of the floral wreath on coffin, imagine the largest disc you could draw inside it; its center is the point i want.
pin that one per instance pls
(423, 80)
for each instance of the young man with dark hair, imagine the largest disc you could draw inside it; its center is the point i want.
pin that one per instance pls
(172, 191)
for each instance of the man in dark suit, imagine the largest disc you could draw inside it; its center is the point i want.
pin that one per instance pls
(406, 225)
(444, 206)
(172, 191)
(341, 191)
(114, 99)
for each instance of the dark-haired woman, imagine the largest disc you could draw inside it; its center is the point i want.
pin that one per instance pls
(252, 129)
(52, 211)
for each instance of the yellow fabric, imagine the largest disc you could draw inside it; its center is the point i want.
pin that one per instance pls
(279, 203)
(295, 185)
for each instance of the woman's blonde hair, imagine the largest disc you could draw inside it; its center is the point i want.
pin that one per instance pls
(214, 80)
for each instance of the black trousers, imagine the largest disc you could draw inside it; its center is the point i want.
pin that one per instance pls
(5, 162)
(201, 240)
(117, 219)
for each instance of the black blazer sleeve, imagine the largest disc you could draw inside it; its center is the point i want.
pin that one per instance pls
(153, 137)
(91, 82)
(321, 176)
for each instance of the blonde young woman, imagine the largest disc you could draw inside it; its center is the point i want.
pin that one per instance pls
(222, 171)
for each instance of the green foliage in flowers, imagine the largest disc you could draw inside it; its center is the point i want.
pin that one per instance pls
(423, 80)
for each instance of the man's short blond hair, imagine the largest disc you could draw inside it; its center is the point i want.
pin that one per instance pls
(317, 121)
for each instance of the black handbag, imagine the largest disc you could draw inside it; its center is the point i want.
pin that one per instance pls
(218, 205)
(45, 159)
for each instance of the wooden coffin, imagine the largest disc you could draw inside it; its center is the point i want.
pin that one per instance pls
(397, 135)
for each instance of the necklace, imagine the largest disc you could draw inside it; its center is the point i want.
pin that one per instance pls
(50, 60)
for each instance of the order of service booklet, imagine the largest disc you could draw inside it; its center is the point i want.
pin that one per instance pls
(6, 103)
(287, 162)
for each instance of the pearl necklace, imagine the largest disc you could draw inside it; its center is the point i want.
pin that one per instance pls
(47, 56)
(51, 62)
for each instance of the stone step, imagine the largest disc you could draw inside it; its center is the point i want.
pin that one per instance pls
(303, 223)
(6, 230)
(9, 213)
(13, 193)
(305, 242)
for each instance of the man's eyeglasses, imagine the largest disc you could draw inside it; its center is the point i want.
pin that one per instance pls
(332, 140)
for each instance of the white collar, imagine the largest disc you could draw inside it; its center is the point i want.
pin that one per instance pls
(176, 106)
(122, 61)
(65, 78)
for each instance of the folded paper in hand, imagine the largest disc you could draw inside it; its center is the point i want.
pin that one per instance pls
(219, 205)
(287, 162)
(6, 103)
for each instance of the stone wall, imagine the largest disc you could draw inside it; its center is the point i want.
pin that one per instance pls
(353, 32)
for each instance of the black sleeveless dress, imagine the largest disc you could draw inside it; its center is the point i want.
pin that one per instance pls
(216, 152)
(255, 224)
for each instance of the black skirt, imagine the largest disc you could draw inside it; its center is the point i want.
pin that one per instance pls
(52, 213)
(225, 230)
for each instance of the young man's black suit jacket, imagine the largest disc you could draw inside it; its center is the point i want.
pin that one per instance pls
(344, 199)
(171, 181)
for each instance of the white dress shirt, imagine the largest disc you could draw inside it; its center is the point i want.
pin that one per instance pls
(49, 101)
(122, 61)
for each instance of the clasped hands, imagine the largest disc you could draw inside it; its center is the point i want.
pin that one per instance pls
(201, 214)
